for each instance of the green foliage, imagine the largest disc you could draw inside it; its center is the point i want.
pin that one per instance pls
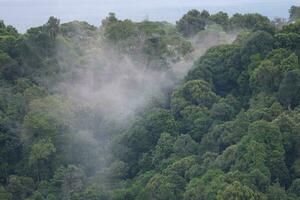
(52, 26)
(7, 30)
(20, 187)
(276, 192)
(192, 22)
(163, 187)
(228, 130)
(185, 145)
(237, 191)
(296, 168)
(209, 184)
(288, 40)
(41, 151)
(219, 66)
(195, 190)
(120, 30)
(289, 89)
(4, 194)
(164, 147)
(295, 187)
(294, 13)
(221, 18)
(196, 92)
(77, 29)
(259, 42)
(267, 76)
(252, 22)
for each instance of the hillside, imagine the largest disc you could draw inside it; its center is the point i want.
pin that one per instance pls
(207, 109)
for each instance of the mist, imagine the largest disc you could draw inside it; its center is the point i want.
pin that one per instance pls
(109, 89)
(117, 84)
(112, 99)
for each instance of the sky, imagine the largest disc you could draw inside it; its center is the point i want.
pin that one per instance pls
(24, 14)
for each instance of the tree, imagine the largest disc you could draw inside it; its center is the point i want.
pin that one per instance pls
(120, 30)
(157, 122)
(269, 134)
(45, 118)
(9, 68)
(221, 18)
(289, 89)
(296, 168)
(221, 136)
(95, 193)
(41, 150)
(195, 190)
(163, 188)
(257, 180)
(20, 187)
(53, 26)
(292, 28)
(7, 30)
(110, 19)
(251, 155)
(164, 147)
(251, 22)
(220, 67)
(227, 158)
(185, 145)
(206, 186)
(199, 92)
(237, 191)
(288, 40)
(4, 194)
(267, 77)
(68, 181)
(290, 63)
(195, 121)
(275, 192)
(259, 42)
(295, 187)
(192, 22)
(181, 167)
(222, 111)
(40, 155)
(294, 13)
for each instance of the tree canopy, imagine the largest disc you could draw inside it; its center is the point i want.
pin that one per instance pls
(227, 130)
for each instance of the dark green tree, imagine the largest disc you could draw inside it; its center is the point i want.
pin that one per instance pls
(193, 22)
(289, 89)
(294, 13)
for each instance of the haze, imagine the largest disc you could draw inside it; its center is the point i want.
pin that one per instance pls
(28, 13)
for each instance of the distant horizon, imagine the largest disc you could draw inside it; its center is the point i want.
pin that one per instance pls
(24, 14)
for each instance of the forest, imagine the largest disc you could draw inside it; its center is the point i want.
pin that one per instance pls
(204, 109)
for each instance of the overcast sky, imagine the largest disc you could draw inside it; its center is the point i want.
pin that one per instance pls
(28, 13)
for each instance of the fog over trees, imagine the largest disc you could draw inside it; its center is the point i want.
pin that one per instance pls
(206, 108)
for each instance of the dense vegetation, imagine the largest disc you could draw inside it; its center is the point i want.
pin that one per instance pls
(229, 130)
